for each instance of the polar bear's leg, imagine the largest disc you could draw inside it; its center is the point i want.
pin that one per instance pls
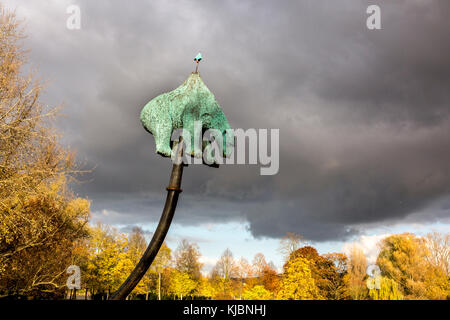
(162, 139)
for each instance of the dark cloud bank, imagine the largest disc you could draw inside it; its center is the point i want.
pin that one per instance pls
(364, 116)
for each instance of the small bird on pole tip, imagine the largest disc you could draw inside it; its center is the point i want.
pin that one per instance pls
(197, 59)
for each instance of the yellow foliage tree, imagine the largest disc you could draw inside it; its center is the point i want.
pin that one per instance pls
(136, 246)
(297, 282)
(357, 265)
(403, 258)
(388, 290)
(206, 288)
(225, 269)
(181, 284)
(40, 219)
(257, 293)
(162, 260)
(108, 264)
(187, 257)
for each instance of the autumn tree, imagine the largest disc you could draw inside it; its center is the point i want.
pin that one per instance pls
(181, 284)
(323, 271)
(438, 251)
(108, 264)
(40, 218)
(257, 293)
(244, 273)
(166, 282)
(135, 248)
(162, 260)
(403, 258)
(206, 288)
(244, 269)
(357, 274)
(338, 283)
(222, 274)
(81, 255)
(290, 243)
(388, 290)
(297, 282)
(259, 265)
(270, 280)
(136, 244)
(187, 259)
(226, 267)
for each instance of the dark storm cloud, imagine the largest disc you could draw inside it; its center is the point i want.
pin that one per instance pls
(364, 116)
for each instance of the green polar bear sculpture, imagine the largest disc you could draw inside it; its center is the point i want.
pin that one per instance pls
(189, 104)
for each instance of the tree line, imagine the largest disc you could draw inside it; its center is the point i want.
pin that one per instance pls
(411, 267)
(44, 228)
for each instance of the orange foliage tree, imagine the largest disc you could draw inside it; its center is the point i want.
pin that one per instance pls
(40, 219)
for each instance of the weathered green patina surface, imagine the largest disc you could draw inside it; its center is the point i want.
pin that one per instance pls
(180, 108)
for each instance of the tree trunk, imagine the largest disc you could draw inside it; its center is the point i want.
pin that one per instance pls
(159, 285)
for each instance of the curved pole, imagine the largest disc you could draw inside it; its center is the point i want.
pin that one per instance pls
(173, 191)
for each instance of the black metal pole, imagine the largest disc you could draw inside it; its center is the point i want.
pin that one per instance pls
(173, 191)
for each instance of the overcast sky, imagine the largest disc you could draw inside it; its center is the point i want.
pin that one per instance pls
(364, 115)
